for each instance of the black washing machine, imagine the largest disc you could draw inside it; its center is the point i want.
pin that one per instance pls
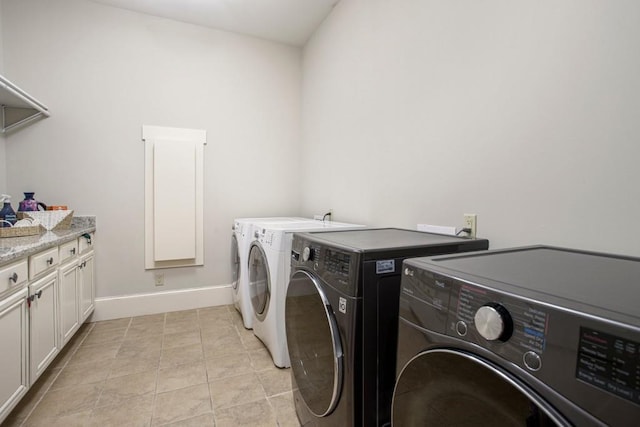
(341, 317)
(536, 336)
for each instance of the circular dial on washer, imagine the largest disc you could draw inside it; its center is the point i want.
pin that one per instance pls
(307, 254)
(493, 322)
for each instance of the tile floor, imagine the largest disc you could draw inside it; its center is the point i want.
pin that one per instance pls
(188, 368)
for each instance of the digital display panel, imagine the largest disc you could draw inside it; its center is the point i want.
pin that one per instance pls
(610, 363)
(337, 262)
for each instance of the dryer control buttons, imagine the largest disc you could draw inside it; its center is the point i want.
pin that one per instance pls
(532, 361)
(461, 328)
(493, 322)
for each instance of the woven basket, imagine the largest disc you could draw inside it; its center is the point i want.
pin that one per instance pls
(20, 231)
(51, 220)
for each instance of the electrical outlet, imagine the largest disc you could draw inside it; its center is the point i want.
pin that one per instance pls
(471, 222)
(159, 278)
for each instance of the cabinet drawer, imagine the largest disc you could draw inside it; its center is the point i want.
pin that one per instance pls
(13, 275)
(42, 262)
(68, 250)
(86, 243)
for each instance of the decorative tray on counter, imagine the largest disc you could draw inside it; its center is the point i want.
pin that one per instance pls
(50, 220)
(31, 230)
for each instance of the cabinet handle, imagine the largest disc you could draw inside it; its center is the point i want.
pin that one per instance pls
(88, 237)
(14, 277)
(73, 251)
(50, 261)
(32, 298)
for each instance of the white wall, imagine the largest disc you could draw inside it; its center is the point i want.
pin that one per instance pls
(103, 73)
(525, 113)
(3, 163)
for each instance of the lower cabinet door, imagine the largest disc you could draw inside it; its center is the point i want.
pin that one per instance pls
(69, 297)
(14, 351)
(43, 324)
(87, 287)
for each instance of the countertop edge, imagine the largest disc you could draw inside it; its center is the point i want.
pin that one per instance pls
(13, 249)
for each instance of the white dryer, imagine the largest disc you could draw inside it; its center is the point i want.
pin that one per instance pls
(269, 269)
(241, 238)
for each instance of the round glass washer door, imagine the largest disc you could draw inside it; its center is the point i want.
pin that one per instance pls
(446, 388)
(259, 281)
(235, 263)
(314, 343)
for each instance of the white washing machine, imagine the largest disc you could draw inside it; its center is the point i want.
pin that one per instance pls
(269, 269)
(241, 238)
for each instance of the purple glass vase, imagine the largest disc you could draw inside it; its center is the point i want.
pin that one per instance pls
(29, 204)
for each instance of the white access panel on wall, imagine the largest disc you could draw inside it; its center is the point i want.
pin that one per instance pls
(174, 200)
(174, 163)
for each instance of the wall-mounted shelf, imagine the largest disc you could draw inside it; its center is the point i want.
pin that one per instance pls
(18, 107)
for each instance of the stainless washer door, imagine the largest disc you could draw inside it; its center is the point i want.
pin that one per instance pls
(259, 280)
(445, 387)
(235, 263)
(314, 343)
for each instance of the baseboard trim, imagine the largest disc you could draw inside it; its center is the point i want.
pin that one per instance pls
(108, 308)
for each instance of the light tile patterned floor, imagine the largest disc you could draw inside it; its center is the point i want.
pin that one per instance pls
(187, 368)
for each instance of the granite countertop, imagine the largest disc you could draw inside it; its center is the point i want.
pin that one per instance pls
(14, 248)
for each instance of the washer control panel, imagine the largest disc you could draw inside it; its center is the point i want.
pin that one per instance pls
(508, 326)
(338, 268)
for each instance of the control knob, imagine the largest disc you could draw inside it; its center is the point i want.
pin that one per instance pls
(493, 322)
(307, 254)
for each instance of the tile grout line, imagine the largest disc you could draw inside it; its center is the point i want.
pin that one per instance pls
(206, 371)
(155, 394)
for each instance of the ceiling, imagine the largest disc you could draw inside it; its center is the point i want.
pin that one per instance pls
(286, 21)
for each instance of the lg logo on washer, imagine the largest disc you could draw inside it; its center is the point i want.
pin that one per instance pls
(342, 305)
